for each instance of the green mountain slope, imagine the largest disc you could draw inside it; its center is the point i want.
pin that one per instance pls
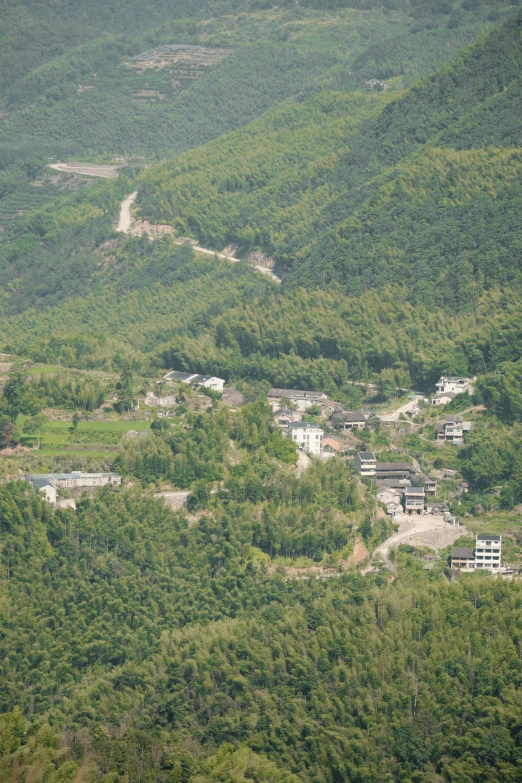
(165, 647)
(415, 196)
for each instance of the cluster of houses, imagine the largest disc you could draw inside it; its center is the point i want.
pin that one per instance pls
(49, 483)
(394, 486)
(486, 554)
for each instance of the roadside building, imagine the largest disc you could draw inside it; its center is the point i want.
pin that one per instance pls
(307, 436)
(414, 498)
(366, 463)
(303, 400)
(487, 554)
(162, 402)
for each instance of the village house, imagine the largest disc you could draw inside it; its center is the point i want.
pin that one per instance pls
(430, 485)
(451, 383)
(193, 379)
(283, 416)
(486, 555)
(49, 483)
(443, 398)
(333, 444)
(394, 508)
(303, 400)
(453, 429)
(44, 486)
(393, 470)
(346, 420)
(307, 436)
(387, 495)
(366, 463)
(414, 498)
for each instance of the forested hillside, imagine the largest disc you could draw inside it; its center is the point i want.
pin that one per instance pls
(122, 610)
(427, 192)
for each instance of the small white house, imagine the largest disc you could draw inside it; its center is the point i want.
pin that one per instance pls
(47, 489)
(307, 436)
(366, 463)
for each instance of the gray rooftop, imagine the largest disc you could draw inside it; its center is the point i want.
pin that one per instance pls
(463, 552)
(366, 456)
(301, 425)
(484, 537)
(310, 395)
(394, 466)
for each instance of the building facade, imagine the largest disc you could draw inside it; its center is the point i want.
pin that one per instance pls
(307, 436)
(487, 554)
(366, 463)
(452, 383)
(303, 400)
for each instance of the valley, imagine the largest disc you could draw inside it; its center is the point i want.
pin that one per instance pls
(260, 391)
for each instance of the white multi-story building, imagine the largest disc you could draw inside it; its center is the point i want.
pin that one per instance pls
(453, 384)
(488, 551)
(366, 463)
(308, 436)
(486, 555)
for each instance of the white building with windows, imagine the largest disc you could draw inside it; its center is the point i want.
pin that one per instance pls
(453, 385)
(487, 554)
(308, 436)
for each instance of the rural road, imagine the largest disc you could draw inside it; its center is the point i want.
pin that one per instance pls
(412, 406)
(125, 213)
(87, 169)
(442, 534)
(125, 224)
(303, 463)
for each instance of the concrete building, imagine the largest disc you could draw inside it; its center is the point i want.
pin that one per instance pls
(346, 420)
(453, 429)
(442, 399)
(303, 400)
(393, 470)
(308, 436)
(430, 485)
(333, 444)
(487, 554)
(366, 463)
(193, 379)
(44, 486)
(49, 483)
(414, 498)
(452, 383)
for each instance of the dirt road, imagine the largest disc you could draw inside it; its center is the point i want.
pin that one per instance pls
(125, 213)
(303, 463)
(87, 169)
(430, 530)
(125, 224)
(412, 406)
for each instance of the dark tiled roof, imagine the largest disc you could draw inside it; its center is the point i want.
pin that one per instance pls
(349, 416)
(484, 537)
(462, 552)
(390, 466)
(366, 455)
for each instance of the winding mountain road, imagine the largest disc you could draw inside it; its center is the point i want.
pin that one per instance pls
(125, 223)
